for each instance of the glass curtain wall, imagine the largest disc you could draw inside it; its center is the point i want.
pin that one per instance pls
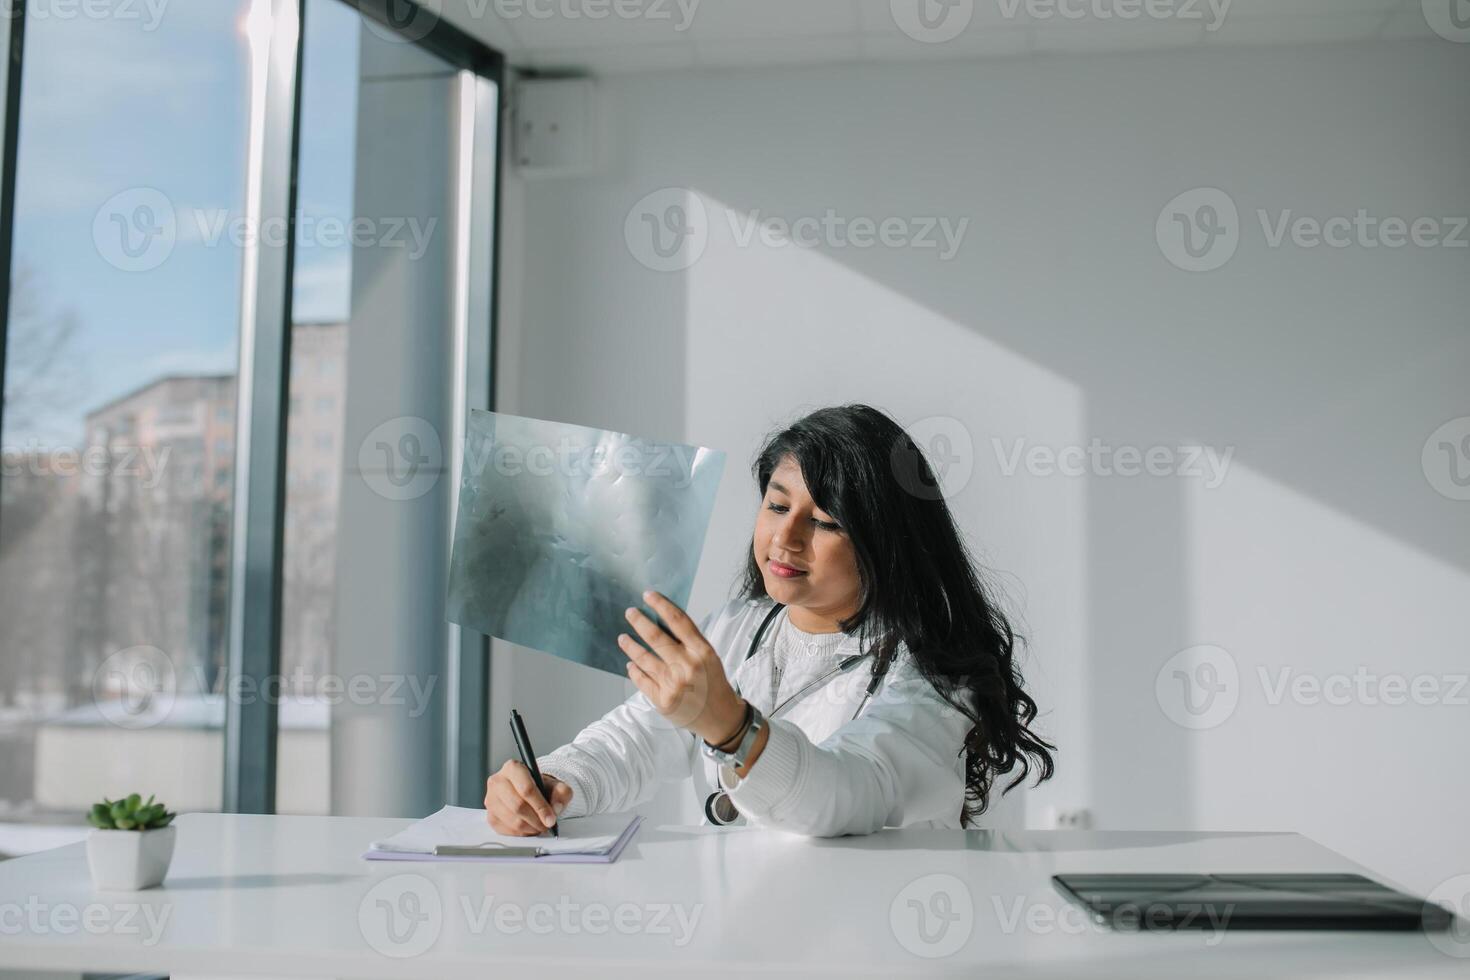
(119, 408)
(121, 425)
(378, 378)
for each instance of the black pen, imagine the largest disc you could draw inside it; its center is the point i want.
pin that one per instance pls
(528, 759)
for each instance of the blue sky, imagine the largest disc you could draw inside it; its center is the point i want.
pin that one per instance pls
(109, 106)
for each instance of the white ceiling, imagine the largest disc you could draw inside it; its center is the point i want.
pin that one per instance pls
(566, 34)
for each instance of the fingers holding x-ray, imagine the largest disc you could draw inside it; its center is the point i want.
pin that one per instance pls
(659, 641)
(651, 664)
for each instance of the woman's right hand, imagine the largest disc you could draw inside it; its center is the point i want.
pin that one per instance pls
(513, 805)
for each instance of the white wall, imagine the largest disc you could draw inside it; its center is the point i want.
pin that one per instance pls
(1060, 321)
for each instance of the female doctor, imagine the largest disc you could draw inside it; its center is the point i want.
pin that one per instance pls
(861, 679)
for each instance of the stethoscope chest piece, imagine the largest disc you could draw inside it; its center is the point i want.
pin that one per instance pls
(720, 809)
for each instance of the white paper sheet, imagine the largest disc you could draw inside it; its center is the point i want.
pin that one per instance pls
(466, 827)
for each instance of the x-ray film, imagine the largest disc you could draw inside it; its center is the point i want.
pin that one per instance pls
(562, 527)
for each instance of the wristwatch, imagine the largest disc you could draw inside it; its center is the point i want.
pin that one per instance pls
(736, 759)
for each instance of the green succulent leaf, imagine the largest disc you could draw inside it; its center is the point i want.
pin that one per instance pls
(130, 813)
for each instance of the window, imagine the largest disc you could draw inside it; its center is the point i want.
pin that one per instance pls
(383, 127)
(123, 345)
(122, 336)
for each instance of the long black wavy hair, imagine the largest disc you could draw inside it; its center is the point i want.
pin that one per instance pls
(919, 584)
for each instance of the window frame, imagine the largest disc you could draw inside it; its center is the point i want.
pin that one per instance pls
(257, 545)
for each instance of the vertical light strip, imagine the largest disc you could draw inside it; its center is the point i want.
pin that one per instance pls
(258, 28)
(272, 29)
(459, 395)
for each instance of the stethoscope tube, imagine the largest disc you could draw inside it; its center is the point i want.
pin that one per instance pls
(846, 664)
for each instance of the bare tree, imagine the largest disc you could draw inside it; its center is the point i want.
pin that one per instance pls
(44, 380)
(310, 568)
(45, 372)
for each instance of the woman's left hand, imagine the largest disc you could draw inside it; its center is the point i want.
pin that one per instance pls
(686, 681)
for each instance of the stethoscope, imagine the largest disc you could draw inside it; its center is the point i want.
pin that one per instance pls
(718, 806)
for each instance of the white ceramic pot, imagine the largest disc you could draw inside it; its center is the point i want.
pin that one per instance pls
(129, 860)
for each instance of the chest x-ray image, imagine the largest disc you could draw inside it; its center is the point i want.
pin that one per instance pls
(562, 527)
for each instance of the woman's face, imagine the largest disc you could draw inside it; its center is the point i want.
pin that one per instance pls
(806, 559)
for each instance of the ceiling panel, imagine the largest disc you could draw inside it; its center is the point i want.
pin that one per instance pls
(1296, 30)
(1409, 22)
(878, 16)
(597, 24)
(613, 60)
(777, 51)
(1065, 36)
(1310, 8)
(994, 42)
(717, 20)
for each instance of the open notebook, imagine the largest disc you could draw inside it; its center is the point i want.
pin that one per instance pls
(459, 833)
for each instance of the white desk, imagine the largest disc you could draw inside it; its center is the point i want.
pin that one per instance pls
(288, 896)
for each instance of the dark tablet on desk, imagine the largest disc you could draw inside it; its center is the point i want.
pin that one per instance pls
(1162, 902)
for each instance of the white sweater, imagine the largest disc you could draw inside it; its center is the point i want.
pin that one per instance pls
(821, 773)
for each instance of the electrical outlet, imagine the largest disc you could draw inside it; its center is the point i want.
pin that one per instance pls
(1067, 818)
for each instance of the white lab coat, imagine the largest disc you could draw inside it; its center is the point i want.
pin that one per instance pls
(900, 764)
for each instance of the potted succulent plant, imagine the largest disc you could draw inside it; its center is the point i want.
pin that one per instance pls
(132, 844)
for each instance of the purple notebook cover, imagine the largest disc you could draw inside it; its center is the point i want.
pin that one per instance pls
(607, 858)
